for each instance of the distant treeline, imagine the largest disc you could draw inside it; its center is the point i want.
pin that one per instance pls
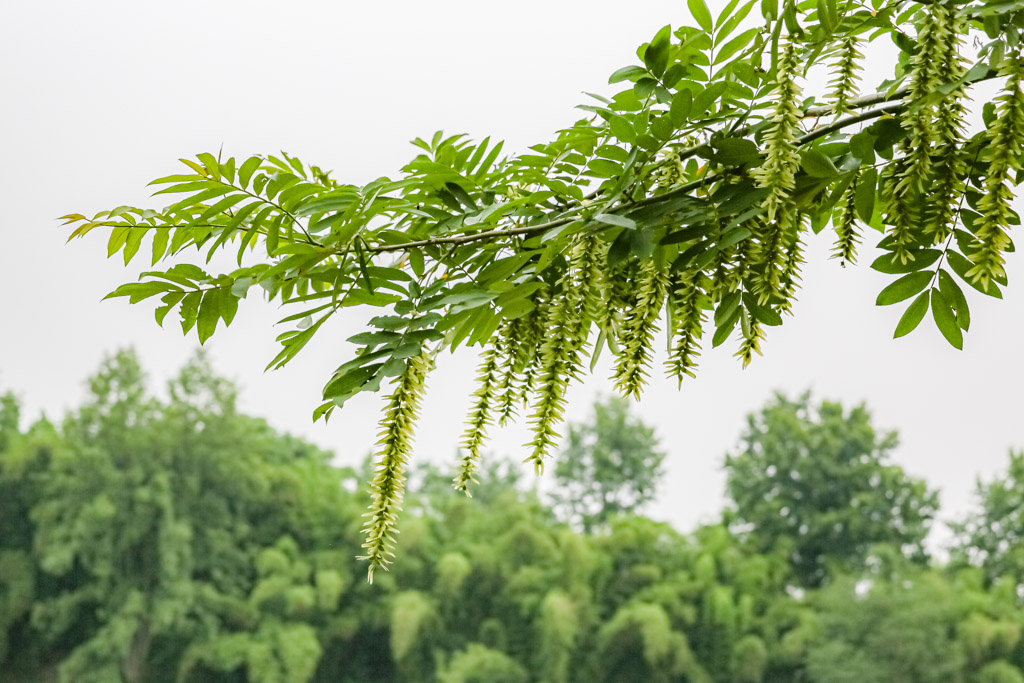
(160, 540)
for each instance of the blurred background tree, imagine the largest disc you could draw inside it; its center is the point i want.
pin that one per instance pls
(992, 536)
(610, 465)
(815, 481)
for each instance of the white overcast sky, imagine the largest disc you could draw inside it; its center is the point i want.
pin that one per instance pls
(100, 97)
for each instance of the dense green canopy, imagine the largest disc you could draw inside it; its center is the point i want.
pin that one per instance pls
(176, 539)
(815, 481)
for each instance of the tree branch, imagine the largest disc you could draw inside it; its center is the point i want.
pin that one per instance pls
(848, 121)
(462, 239)
(675, 192)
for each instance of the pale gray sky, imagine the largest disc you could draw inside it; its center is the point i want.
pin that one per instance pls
(101, 97)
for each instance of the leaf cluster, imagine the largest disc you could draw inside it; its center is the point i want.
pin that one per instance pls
(685, 197)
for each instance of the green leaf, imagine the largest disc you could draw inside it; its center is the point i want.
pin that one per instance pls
(833, 13)
(735, 45)
(707, 97)
(622, 129)
(481, 149)
(645, 86)
(815, 163)
(209, 314)
(955, 296)
(344, 386)
(961, 266)
(686, 234)
(603, 168)
(160, 238)
(724, 14)
(374, 339)
(723, 331)
(222, 206)
(240, 287)
(502, 268)
(700, 12)
(705, 257)
(334, 201)
(762, 314)
(735, 152)
(661, 127)
(922, 258)
(247, 169)
(656, 54)
(978, 71)
(201, 197)
(416, 262)
(132, 244)
(728, 306)
(117, 238)
(864, 197)
(679, 110)
(464, 197)
(170, 301)
(210, 164)
(227, 169)
(516, 293)
(485, 165)
(517, 309)
(228, 305)
(363, 270)
(674, 74)
(725, 26)
(684, 259)
(614, 219)
(619, 250)
(945, 320)
(904, 288)
(641, 242)
(825, 17)
(862, 146)
(913, 316)
(189, 309)
(138, 291)
(789, 17)
(734, 236)
(387, 322)
(323, 410)
(627, 73)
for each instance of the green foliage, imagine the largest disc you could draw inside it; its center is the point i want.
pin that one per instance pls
(244, 571)
(896, 629)
(815, 481)
(585, 242)
(999, 672)
(993, 535)
(17, 581)
(413, 623)
(611, 465)
(164, 526)
(558, 630)
(749, 660)
(452, 571)
(275, 653)
(985, 637)
(638, 643)
(478, 664)
(10, 412)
